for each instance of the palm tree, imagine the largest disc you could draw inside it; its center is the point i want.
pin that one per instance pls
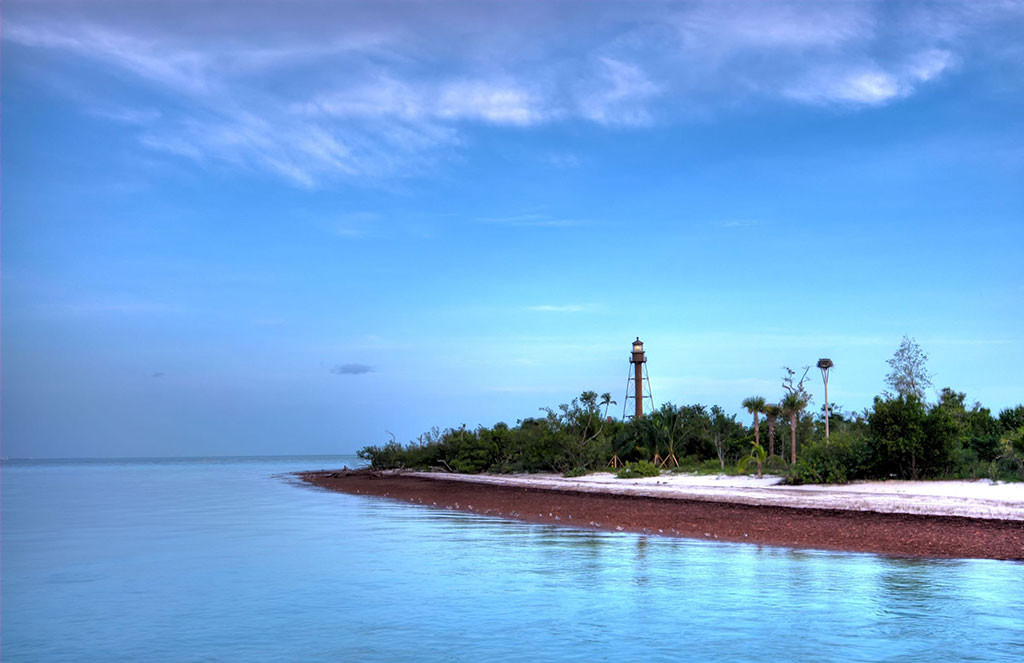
(606, 401)
(668, 419)
(757, 455)
(656, 428)
(792, 406)
(771, 413)
(755, 406)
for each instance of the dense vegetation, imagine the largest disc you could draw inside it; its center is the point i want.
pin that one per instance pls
(900, 436)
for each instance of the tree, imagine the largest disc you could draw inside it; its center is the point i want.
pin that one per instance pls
(1012, 418)
(1012, 447)
(725, 433)
(909, 441)
(694, 436)
(668, 420)
(757, 455)
(909, 375)
(793, 403)
(606, 401)
(978, 431)
(623, 444)
(755, 406)
(792, 406)
(771, 412)
(582, 423)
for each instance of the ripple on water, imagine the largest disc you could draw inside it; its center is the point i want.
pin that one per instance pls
(226, 561)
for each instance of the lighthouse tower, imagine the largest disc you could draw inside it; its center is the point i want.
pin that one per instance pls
(638, 384)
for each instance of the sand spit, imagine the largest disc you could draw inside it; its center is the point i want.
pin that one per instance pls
(728, 509)
(966, 499)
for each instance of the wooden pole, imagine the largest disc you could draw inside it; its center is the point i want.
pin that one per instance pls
(826, 403)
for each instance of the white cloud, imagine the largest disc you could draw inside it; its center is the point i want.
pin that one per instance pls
(928, 64)
(495, 102)
(870, 84)
(498, 104)
(178, 69)
(385, 97)
(866, 87)
(618, 95)
(365, 91)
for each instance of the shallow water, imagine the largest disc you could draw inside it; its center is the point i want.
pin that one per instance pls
(224, 559)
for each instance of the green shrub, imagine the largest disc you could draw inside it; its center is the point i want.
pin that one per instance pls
(1012, 418)
(1005, 469)
(637, 470)
(574, 472)
(693, 465)
(470, 451)
(969, 465)
(385, 457)
(776, 465)
(1009, 465)
(842, 459)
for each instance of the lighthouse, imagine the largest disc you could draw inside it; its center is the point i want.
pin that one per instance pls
(638, 384)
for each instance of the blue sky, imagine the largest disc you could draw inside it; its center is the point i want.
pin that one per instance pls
(261, 228)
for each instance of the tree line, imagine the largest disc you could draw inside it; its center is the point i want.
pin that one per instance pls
(900, 436)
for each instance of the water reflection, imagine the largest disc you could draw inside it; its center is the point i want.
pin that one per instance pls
(220, 561)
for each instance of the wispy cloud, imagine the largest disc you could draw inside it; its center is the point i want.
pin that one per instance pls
(351, 369)
(563, 161)
(269, 322)
(485, 101)
(355, 225)
(737, 223)
(733, 29)
(533, 220)
(562, 308)
(127, 115)
(491, 101)
(368, 92)
(618, 94)
(702, 383)
(174, 69)
(523, 389)
(869, 84)
(114, 306)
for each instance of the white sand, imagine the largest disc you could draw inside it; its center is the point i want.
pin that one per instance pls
(973, 499)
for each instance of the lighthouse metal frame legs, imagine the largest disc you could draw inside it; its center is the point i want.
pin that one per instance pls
(631, 388)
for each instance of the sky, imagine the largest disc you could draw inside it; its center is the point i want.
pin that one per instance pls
(241, 228)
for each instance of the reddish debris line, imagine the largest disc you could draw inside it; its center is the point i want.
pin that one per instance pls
(888, 534)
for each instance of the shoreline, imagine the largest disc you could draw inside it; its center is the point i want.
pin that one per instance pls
(730, 513)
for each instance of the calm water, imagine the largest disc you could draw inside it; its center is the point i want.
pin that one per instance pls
(210, 560)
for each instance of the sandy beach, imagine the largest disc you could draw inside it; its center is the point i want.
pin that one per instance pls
(952, 519)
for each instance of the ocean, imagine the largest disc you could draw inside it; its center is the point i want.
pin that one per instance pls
(228, 559)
